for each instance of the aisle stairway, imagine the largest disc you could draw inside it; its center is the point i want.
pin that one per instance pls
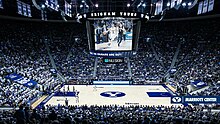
(52, 60)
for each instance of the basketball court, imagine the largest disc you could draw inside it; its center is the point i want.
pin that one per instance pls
(114, 94)
(124, 45)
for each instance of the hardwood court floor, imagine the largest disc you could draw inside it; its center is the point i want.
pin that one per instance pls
(134, 95)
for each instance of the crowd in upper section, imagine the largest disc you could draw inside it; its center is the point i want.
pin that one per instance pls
(198, 56)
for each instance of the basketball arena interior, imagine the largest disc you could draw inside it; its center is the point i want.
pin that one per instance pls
(109, 62)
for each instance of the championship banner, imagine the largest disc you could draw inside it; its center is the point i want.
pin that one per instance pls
(19, 4)
(195, 99)
(159, 7)
(172, 3)
(29, 10)
(205, 6)
(21, 80)
(211, 5)
(53, 4)
(23, 8)
(175, 4)
(200, 8)
(68, 9)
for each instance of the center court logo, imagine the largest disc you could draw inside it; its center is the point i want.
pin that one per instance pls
(176, 99)
(112, 94)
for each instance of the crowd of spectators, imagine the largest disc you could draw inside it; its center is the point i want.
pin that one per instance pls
(112, 71)
(197, 59)
(22, 51)
(112, 114)
(199, 55)
(145, 67)
(69, 50)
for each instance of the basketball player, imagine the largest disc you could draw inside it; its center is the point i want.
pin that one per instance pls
(73, 89)
(68, 88)
(77, 97)
(120, 34)
(64, 92)
(111, 33)
(59, 91)
(124, 33)
(98, 34)
(66, 102)
(105, 34)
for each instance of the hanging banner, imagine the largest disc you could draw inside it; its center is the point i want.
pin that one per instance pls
(159, 7)
(211, 5)
(200, 8)
(205, 6)
(68, 9)
(29, 11)
(19, 5)
(24, 9)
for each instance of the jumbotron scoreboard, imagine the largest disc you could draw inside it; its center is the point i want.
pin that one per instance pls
(113, 34)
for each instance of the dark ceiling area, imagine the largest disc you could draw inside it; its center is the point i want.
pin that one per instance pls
(10, 8)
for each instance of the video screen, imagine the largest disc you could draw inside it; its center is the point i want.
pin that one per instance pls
(113, 34)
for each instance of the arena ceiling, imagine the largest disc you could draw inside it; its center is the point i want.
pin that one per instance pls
(10, 8)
